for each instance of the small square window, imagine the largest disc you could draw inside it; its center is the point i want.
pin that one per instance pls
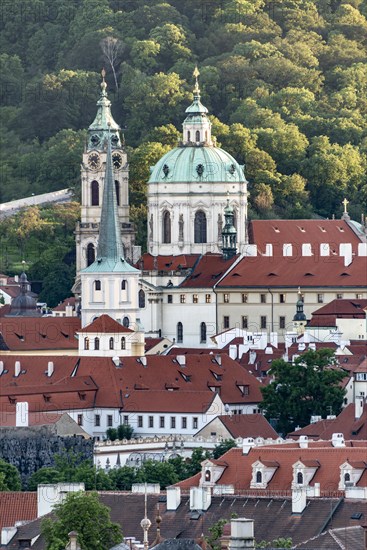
(97, 420)
(282, 298)
(244, 298)
(151, 422)
(195, 298)
(140, 421)
(339, 296)
(244, 321)
(226, 298)
(169, 298)
(182, 298)
(320, 298)
(281, 322)
(109, 420)
(263, 298)
(161, 422)
(225, 321)
(208, 298)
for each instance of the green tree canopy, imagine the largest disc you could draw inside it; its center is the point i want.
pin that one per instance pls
(9, 477)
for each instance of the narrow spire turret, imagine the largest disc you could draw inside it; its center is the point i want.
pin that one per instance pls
(229, 233)
(197, 126)
(103, 122)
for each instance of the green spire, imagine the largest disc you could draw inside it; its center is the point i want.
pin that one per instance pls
(229, 234)
(104, 122)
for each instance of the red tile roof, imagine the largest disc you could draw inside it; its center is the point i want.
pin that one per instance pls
(39, 333)
(12, 291)
(344, 308)
(302, 271)
(248, 425)
(105, 324)
(297, 232)
(67, 302)
(16, 506)
(8, 419)
(353, 429)
(167, 263)
(239, 470)
(209, 269)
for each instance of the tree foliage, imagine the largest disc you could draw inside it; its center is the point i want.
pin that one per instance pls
(85, 514)
(310, 385)
(9, 477)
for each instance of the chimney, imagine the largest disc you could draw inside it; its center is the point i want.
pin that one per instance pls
(317, 490)
(345, 250)
(143, 361)
(233, 351)
(17, 368)
(337, 440)
(50, 368)
(358, 410)
(173, 498)
(1, 367)
(298, 500)
(274, 339)
(218, 359)
(303, 442)
(73, 541)
(181, 359)
(21, 415)
(242, 534)
(247, 444)
(49, 494)
(200, 498)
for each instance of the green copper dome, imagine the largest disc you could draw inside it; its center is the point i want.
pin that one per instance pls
(197, 164)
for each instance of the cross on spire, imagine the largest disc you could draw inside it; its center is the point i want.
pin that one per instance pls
(345, 203)
(196, 74)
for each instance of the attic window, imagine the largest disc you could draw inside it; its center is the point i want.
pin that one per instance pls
(356, 515)
(186, 377)
(272, 274)
(216, 275)
(19, 336)
(46, 397)
(12, 400)
(308, 274)
(235, 275)
(341, 229)
(344, 274)
(322, 229)
(276, 229)
(217, 376)
(64, 334)
(82, 396)
(43, 335)
(302, 229)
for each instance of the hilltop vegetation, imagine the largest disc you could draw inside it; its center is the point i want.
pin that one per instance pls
(284, 80)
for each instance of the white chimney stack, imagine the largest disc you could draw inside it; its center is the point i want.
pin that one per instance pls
(298, 500)
(17, 368)
(242, 534)
(50, 494)
(173, 498)
(337, 440)
(50, 368)
(1, 367)
(21, 415)
(143, 361)
(181, 359)
(200, 498)
(303, 442)
(247, 444)
(233, 351)
(359, 402)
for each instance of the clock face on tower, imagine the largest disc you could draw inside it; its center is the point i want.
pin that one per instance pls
(94, 161)
(117, 160)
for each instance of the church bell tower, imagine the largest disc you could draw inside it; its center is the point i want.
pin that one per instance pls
(93, 170)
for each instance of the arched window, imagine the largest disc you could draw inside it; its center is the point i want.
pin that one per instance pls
(207, 475)
(123, 342)
(259, 477)
(123, 284)
(111, 343)
(96, 343)
(346, 477)
(166, 227)
(86, 343)
(202, 332)
(126, 322)
(179, 332)
(95, 193)
(197, 135)
(141, 298)
(300, 478)
(200, 227)
(97, 285)
(117, 189)
(235, 218)
(188, 135)
(90, 254)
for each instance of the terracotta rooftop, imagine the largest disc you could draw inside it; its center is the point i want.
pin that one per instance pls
(264, 272)
(11, 290)
(297, 232)
(248, 425)
(208, 270)
(105, 324)
(67, 302)
(344, 308)
(38, 333)
(17, 506)
(167, 263)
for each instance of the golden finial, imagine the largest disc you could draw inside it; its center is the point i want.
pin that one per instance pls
(103, 73)
(103, 83)
(345, 202)
(196, 74)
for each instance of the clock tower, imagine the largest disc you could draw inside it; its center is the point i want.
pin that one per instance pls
(93, 170)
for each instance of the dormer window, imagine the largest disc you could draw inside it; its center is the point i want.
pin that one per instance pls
(259, 477)
(303, 472)
(350, 473)
(211, 472)
(346, 477)
(123, 284)
(207, 475)
(96, 343)
(262, 473)
(299, 478)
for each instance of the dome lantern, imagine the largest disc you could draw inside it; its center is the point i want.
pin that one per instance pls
(197, 126)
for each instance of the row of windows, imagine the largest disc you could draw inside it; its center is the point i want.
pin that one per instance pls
(263, 322)
(199, 228)
(179, 332)
(197, 136)
(95, 193)
(282, 298)
(98, 285)
(172, 424)
(195, 298)
(96, 343)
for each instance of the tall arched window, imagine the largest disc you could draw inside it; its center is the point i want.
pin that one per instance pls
(111, 343)
(207, 475)
(200, 227)
(97, 285)
(166, 227)
(179, 332)
(96, 343)
(123, 342)
(141, 298)
(90, 254)
(188, 135)
(86, 343)
(300, 478)
(126, 322)
(95, 193)
(202, 332)
(124, 284)
(197, 135)
(117, 189)
(259, 477)
(346, 477)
